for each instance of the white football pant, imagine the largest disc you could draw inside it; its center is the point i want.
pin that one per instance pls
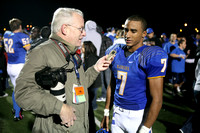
(126, 121)
(13, 71)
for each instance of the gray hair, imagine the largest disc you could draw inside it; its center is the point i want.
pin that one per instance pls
(62, 16)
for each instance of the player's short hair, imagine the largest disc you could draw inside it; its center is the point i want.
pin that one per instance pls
(15, 24)
(62, 16)
(138, 18)
(181, 41)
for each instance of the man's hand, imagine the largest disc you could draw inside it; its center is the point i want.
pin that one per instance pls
(67, 115)
(102, 64)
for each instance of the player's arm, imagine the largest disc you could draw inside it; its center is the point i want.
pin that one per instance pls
(27, 47)
(176, 56)
(26, 42)
(109, 102)
(110, 93)
(156, 92)
(156, 70)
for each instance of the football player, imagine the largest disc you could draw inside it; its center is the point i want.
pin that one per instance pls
(16, 45)
(135, 67)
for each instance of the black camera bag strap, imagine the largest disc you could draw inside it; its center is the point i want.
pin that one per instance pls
(66, 53)
(63, 49)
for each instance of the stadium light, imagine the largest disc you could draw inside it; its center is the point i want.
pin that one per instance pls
(185, 24)
(196, 29)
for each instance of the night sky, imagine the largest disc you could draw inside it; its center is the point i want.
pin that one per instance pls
(165, 16)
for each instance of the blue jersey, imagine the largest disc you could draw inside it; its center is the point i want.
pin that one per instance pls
(131, 74)
(14, 45)
(169, 47)
(178, 64)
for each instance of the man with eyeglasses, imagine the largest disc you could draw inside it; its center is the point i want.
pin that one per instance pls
(67, 31)
(134, 68)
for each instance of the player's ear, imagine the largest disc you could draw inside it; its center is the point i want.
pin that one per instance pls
(144, 34)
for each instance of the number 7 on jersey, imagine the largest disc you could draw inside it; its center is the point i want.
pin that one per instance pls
(123, 76)
(164, 61)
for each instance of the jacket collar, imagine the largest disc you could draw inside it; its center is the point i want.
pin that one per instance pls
(71, 47)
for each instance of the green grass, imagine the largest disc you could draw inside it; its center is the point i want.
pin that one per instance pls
(173, 114)
(7, 124)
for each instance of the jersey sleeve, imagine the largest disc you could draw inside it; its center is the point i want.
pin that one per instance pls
(166, 48)
(24, 40)
(156, 63)
(115, 47)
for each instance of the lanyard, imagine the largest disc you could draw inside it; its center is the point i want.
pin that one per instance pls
(76, 70)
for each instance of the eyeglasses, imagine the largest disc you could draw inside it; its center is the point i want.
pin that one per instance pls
(80, 29)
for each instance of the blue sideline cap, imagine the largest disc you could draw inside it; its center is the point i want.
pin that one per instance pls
(149, 30)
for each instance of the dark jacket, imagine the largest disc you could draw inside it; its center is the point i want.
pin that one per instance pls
(90, 60)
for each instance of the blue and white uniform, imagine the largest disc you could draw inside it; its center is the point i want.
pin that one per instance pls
(131, 74)
(14, 46)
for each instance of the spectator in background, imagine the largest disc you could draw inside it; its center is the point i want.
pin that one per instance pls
(172, 44)
(194, 46)
(164, 36)
(178, 65)
(190, 66)
(168, 47)
(3, 71)
(163, 39)
(151, 39)
(106, 41)
(92, 35)
(35, 34)
(105, 75)
(5, 74)
(197, 54)
(44, 36)
(119, 37)
(197, 39)
(111, 33)
(90, 58)
(192, 124)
